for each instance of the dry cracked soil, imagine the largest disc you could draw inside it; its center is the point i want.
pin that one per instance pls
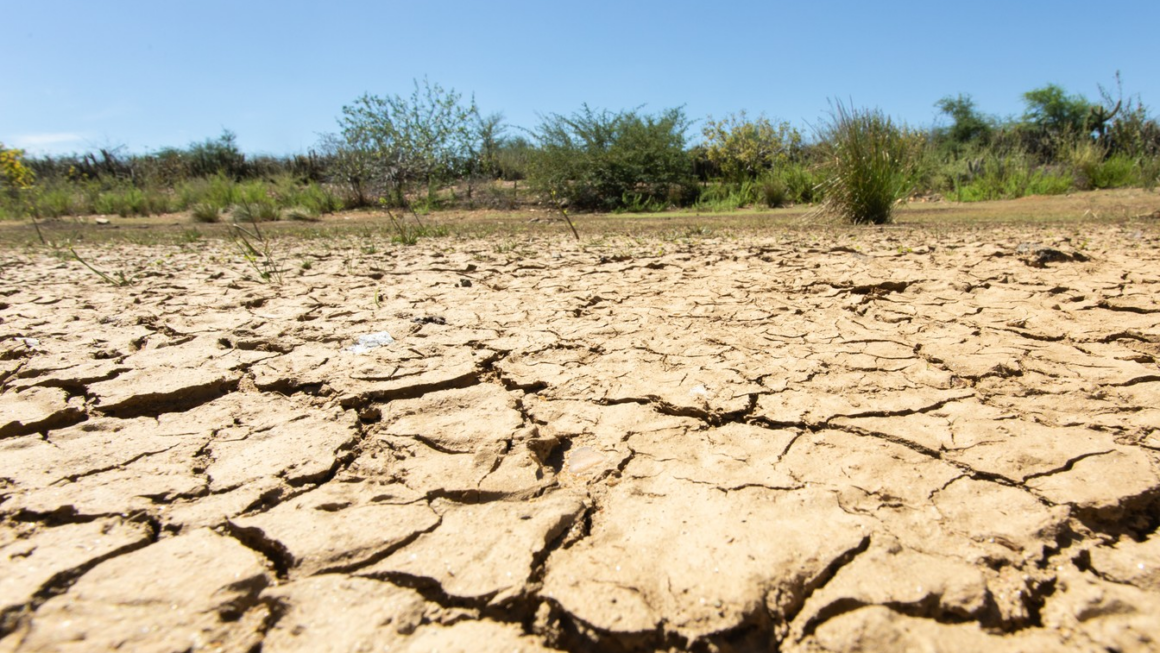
(909, 439)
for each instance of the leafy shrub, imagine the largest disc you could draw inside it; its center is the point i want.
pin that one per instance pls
(219, 156)
(399, 142)
(595, 160)
(54, 201)
(802, 184)
(869, 164)
(1117, 171)
(774, 192)
(14, 174)
(723, 196)
(1010, 176)
(640, 203)
(743, 149)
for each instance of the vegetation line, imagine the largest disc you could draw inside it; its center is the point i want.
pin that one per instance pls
(434, 149)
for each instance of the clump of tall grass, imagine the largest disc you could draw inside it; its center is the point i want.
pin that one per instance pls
(256, 249)
(127, 201)
(217, 191)
(205, 212)
(257, 211)
(291, 192)
(868, 163)
(56, 200)
(302, 214)
(1094, 167)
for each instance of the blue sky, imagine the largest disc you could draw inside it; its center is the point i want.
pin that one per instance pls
(147, 74)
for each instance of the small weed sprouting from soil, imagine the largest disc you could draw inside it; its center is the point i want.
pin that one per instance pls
(408, 232)
(869, 163)
(257, 250)
(118, 278)
(405, 234)
(564, 212)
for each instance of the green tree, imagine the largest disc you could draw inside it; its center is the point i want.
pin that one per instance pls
(427, 138)
(513, 158)
(601, 160)
(1052, 110)
(216, 156)
(742, 149)
(486, 143)
(970, 126)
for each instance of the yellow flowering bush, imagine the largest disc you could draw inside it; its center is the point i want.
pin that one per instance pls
(13, 173)
(743, 149)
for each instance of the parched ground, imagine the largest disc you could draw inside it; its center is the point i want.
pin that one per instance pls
(891, 439)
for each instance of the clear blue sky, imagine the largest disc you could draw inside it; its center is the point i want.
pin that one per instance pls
(145, 74)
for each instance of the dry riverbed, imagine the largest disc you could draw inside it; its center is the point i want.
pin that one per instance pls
(911, 439)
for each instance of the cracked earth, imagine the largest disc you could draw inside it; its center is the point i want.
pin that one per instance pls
(912, 439)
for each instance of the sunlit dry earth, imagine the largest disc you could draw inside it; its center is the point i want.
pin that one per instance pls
(931, 437)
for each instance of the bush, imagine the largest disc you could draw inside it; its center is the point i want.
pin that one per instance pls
(723, 196)
(774, 192)
(802, 184)
(1009, 176)
(315, 198)
(638, 203)
(742, 149)
(400, 143)
(54, 201)
(14, 174)
(1117, 171)
(599, 160)
(869, 164)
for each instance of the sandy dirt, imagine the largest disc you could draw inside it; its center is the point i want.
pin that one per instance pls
(905, 439)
